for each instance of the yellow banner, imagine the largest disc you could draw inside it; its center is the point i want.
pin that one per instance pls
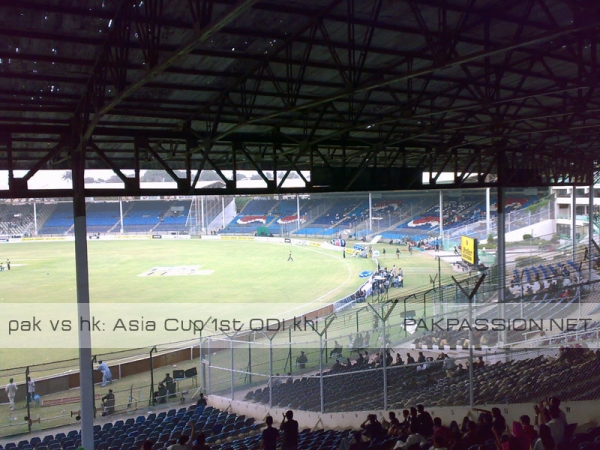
(469, 249)
(44, 239)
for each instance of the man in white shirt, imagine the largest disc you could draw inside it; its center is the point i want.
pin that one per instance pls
(30, 389)
(557, 427)
(413, 438)
(106, 373)
(11, 391)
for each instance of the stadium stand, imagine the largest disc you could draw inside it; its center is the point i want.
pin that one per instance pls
(142, 216)
(17, 219)
(539, 377)
(163, 429)
(60, 220)
(269, 214)
(101, 217)
(175, 218)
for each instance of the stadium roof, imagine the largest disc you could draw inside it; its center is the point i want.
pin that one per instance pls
(362, 94)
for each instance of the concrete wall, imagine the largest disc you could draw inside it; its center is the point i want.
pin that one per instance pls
(544, 229)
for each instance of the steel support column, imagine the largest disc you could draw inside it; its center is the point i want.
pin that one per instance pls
(501, 256)
(441, 215)
(488, 223)
(86, 379)
(590, 227)
(370, 213)
(574, 221)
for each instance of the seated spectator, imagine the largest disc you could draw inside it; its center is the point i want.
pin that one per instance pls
(356, 443)
(389, 359)
(372, 427)
(301, 361)
(414, 439)
(108, 403)
(393, 426)
(499, 423)
(556, 426)
(439, 443)
(377, 360)
(485, 427)
(337, 367)
(182, 444)
(337, 349)
(183, 441)
(555, 402)
(524, 432)
(470, 437)
(545, 441)
(405, 424)
(201, 400)
(449, 366)
(425, 421)
(200, 442)
(398, 361)
(441, 431)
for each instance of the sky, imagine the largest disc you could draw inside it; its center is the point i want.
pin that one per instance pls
(53, 179)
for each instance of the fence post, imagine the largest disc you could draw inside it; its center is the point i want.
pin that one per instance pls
(321, 387)
(250, 358)
(232, 370)
(202, 367)
(384, 317)
(151, 400)
(404, 326)
(28, 398)
(271, 372)
(384, 356)
(209, 387)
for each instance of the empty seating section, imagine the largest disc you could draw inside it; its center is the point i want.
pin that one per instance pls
(259, 207)
(287, 207)
(154, 215)
(101, 217)
(337, 212)
(138, 217)
(325, 217)
(402, 217)
(175, 218)
(60, 221)
(232, 432)
(142, 216)
(278, 216)
(243, 224)
(494, 384)
(255, 214)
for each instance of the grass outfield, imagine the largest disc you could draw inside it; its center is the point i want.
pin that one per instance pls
(245, 274)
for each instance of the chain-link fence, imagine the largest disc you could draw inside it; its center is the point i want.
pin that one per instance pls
(48, 394)
(466, 350)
